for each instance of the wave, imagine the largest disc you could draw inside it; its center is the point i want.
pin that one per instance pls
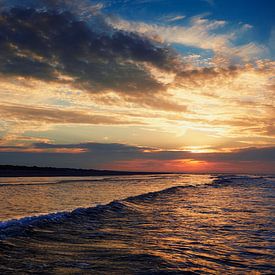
(20, 226)
(240, 179)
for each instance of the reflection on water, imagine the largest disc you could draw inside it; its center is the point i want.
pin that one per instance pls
(20, 197)
(223, 228)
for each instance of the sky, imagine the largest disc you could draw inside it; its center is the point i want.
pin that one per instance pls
(141, 85)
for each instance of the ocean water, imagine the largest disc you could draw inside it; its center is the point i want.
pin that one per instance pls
(154, 224)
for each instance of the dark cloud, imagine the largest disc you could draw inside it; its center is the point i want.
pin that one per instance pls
(116, 151)
(47, 43)
(200, 77)
(98, 154)
(248, 154)
(91, 154)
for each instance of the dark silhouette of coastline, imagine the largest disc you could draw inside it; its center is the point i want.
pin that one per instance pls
(34, 171)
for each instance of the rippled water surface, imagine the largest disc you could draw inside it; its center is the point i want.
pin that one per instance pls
(21, 197)
(225, 226)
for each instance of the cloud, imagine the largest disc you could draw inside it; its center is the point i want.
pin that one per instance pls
(50, 44)
(174, 18)
(116, 150)
(98, 155)
(23, 113)
(201, 33)
(83, 8)
(57, 43)
(244, 78)
(251, 154)
(73, 64)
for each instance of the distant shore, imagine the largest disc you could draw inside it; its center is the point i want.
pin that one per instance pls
(34, 171)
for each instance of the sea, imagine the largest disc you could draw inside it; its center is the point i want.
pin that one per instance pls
(143, 224)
